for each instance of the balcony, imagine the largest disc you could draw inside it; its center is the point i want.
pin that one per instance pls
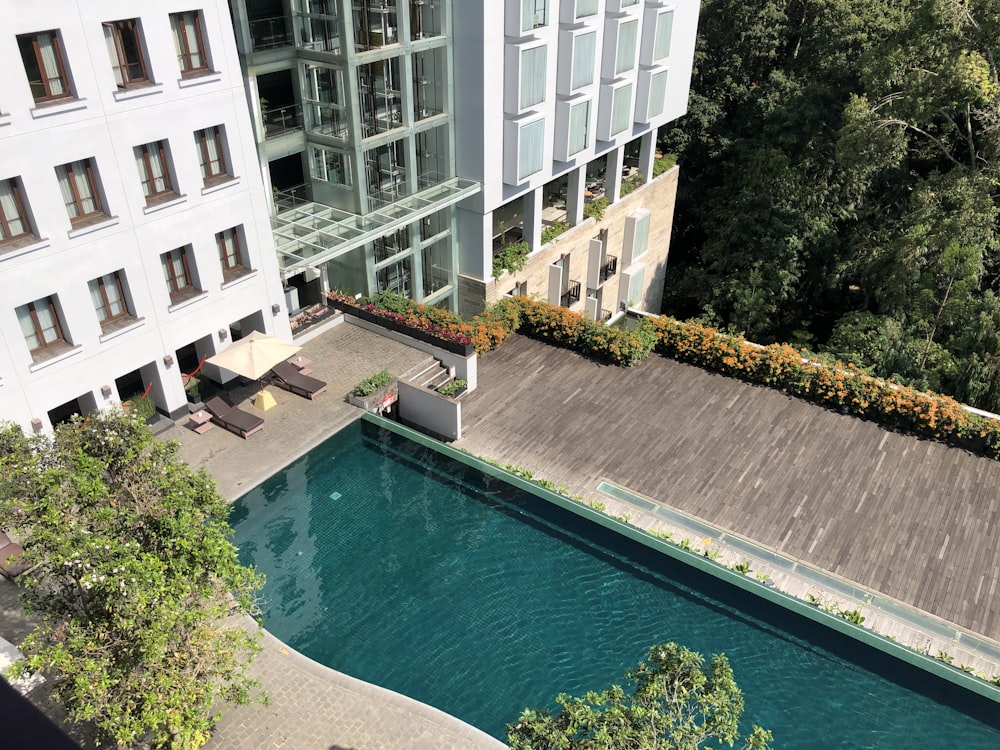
(572, 294)
(609, 268)
(270, 33)
(327, 119)
(278, 122)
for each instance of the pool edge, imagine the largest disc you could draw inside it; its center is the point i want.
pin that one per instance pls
(704, 564)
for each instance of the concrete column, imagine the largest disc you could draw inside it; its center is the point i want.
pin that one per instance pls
(475, 232)
(241, 24)
(532, 203)
(575, 183)
(613, 178)
(647, 155)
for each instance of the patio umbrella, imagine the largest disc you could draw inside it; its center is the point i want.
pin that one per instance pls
(252, 357)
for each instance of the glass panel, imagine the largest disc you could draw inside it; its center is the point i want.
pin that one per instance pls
(13, 223)
(50, 64)
(621, 109)
(530, 148)
(641, 237)
(48, 327)
(115, 54)
(584, 51)
(97, 299)
(664, 28)
(534, 13)
(586, 8)
(28, 327)
(532, 76)
(579, 127)
(657, 94)
(627, 33)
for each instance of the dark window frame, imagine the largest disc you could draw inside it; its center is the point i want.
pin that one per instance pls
(240, 266)
(109, 317)
(178, 293)
(99, 209)
(147, 178)
(22, 215)
(208, 172)
(124, 65)
(60, 339)
(185, 54)
(44, 82)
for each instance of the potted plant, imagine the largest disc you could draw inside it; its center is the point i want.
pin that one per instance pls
(193, 389)
(145, 408)
(453, 388)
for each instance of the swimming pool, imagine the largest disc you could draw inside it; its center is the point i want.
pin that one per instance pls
(401, 567)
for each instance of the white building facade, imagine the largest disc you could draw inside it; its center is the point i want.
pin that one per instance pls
(134, 233)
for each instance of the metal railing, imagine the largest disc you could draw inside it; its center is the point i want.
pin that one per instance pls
(571, 295)
(609, 268)
(290, 197)
(282, 120)
(327, 119)
(270, 33)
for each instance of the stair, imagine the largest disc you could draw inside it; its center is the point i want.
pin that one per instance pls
(428, 374)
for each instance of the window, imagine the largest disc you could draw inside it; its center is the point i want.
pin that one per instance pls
(189, 41)
(664, 28)
(628, 33)
(532, 77)
(177, 272)
(154, 172)
(579, 127)
(530, 152)
(586, 8)
(584, 52)
(78, 185)
(211, 149)
(621, 109)
(231, 254)
(41, 328)
(43, 62)
(108, 295)
(125, 50)
(14, 224)
(534, 13)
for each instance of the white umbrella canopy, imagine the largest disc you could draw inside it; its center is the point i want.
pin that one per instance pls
(254, 355)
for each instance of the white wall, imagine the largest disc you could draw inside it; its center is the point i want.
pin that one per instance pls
(105, 125)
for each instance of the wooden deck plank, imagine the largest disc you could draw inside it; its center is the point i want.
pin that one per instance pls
(871, 505)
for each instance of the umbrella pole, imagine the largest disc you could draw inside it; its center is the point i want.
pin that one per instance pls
(263, 400)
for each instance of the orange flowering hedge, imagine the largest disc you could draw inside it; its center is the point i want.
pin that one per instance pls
(845, 388)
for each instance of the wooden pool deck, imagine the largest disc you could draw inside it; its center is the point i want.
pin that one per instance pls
(912, 519)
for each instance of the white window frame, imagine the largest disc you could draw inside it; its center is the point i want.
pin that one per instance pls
(564, 148)
(572, 61)
(516, 67)
(617, 61)
(649, 54)
(653, 85)
(514, 142)
(610, 93)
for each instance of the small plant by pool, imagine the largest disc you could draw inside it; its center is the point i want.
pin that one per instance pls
(395, 564)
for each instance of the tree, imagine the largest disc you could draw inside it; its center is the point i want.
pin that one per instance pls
(675, 705)
(134, 574)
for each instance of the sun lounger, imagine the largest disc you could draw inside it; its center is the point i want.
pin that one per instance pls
(11, 564)
(234, 419)
(286, 375)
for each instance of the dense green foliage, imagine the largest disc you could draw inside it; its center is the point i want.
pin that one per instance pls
(510, 257)
(133, 576)
(674, 704)
(372, 383)
(839, 184)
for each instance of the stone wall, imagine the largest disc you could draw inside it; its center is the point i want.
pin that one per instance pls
(658, 196)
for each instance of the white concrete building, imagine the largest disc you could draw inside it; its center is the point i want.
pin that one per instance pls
(410, 140)
(134, 233)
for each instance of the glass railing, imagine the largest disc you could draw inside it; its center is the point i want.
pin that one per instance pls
(270, 33)
(326, 119)
(278, 122)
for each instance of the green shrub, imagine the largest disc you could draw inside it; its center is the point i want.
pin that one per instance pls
(370, 385)
(595, 209)
(142, 407)
(510, 257)
(552, 231)
(664, 164)
(453, 387)
(629, 186)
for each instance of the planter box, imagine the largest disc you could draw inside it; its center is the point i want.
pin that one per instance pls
(419, 334)
(379, 401)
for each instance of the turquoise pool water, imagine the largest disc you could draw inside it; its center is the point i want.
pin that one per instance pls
(396, 565)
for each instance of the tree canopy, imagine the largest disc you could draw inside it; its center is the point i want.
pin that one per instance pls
(839, 184)
(673, 704)
(133, 577)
